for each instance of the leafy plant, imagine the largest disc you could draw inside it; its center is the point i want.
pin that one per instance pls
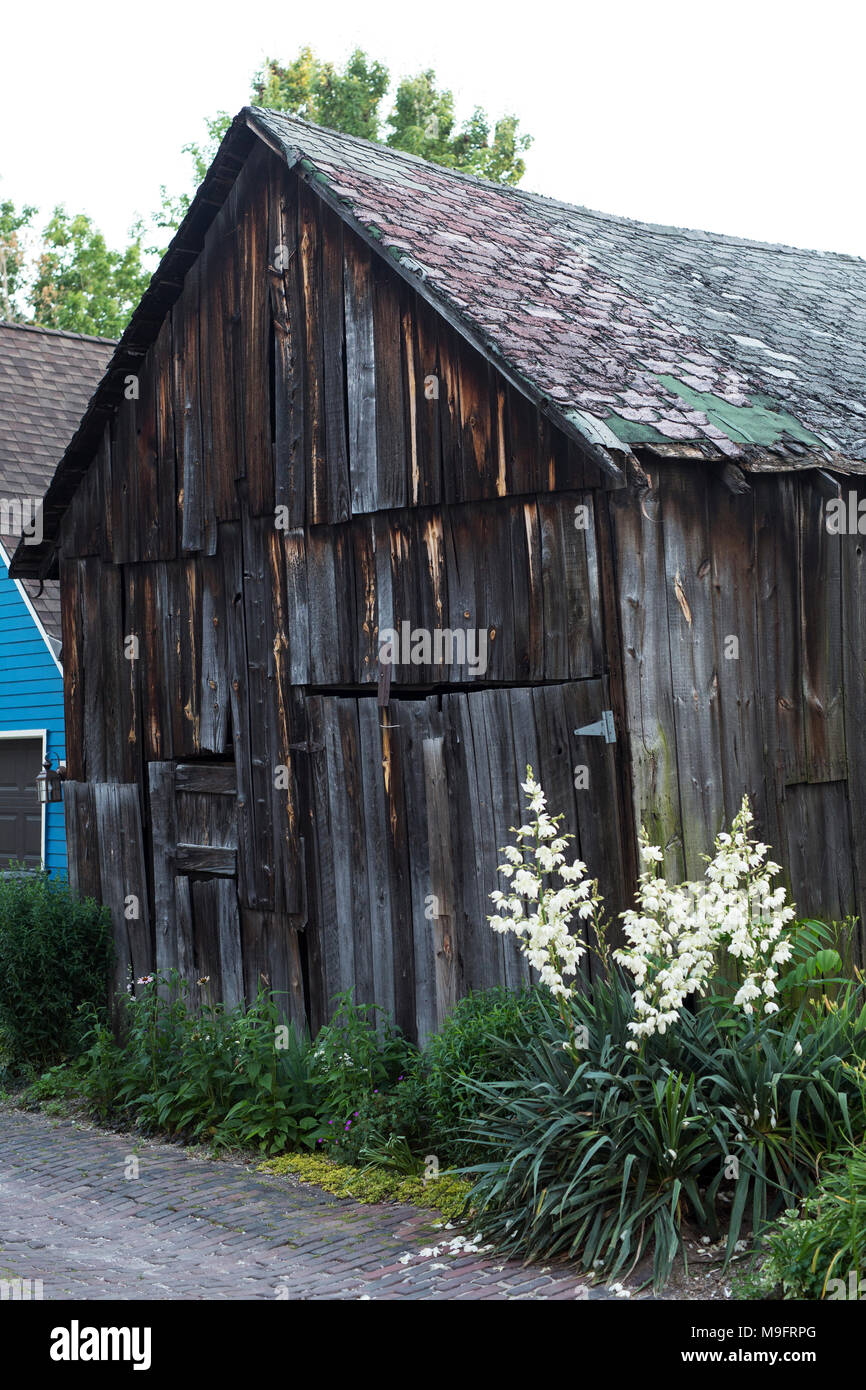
(360, 1058)
(236, 1077)
(819, 1249)
(816, 962)
(783, 1096)
(395, 1153)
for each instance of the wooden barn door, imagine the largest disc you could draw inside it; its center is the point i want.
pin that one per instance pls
(193, 810)
(411, 806)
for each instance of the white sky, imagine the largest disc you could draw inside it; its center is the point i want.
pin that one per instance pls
(744, 118)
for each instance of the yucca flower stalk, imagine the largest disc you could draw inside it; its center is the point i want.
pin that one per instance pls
(536, 909)
(675, 932)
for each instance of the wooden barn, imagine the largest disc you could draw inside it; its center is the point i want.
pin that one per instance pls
(400, 480)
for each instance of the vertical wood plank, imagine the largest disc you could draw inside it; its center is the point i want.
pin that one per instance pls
(333, 339)
(693, 663)
(360, 373)
(123, 878)
(288, 383)
(187, 412)
(821, 625)
(310, 271)
(249, 862)
(854, 676)
(391, 414)
(378, 879)
(643, 611)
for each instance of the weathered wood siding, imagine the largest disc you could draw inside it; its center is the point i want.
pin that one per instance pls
(311, 456)
(411, 806)
(745, 655)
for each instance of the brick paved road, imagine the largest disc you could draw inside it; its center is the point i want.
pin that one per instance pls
(190, 1228)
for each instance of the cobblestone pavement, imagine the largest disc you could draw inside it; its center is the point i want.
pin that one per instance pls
(197, 1228)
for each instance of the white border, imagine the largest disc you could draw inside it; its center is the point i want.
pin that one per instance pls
(49, 641)
(32, 733)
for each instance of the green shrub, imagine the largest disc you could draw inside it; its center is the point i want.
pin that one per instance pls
(55, 960)
(784, 1094)
(392, 1106)
(475, 1044)
(54, 1091)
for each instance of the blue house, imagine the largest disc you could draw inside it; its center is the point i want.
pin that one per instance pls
(46, 380)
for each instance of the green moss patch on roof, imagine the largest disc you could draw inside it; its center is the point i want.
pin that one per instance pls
(635, 431)
(762, 422)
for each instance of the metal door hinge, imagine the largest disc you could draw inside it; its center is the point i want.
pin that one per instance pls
(604, 728)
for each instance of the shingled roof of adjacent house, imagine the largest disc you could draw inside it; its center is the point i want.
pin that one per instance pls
(47, 378)
(629, 336)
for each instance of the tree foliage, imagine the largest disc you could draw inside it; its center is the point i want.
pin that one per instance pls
(73, 280)
(422, 120)
(13, 223)
(79, 283)
(348, 101)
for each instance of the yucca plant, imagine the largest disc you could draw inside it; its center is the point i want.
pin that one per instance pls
(783, 1097)
(600, 1159)
(607, 1159)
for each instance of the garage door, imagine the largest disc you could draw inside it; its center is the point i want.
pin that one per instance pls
(20, 812)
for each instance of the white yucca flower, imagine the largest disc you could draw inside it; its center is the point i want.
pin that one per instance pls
(540, 909)
(675, 932)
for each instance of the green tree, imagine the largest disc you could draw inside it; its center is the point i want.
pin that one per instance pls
(13, 222)
(79, 284)
(348, 101)
(421, 122)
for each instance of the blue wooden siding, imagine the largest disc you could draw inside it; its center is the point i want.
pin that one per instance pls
(31, 697)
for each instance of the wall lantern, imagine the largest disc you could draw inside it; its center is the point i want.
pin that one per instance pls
(49, 783)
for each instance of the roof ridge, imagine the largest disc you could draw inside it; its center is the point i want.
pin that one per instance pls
(381, 146)
(666, 229)
(57, 332)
